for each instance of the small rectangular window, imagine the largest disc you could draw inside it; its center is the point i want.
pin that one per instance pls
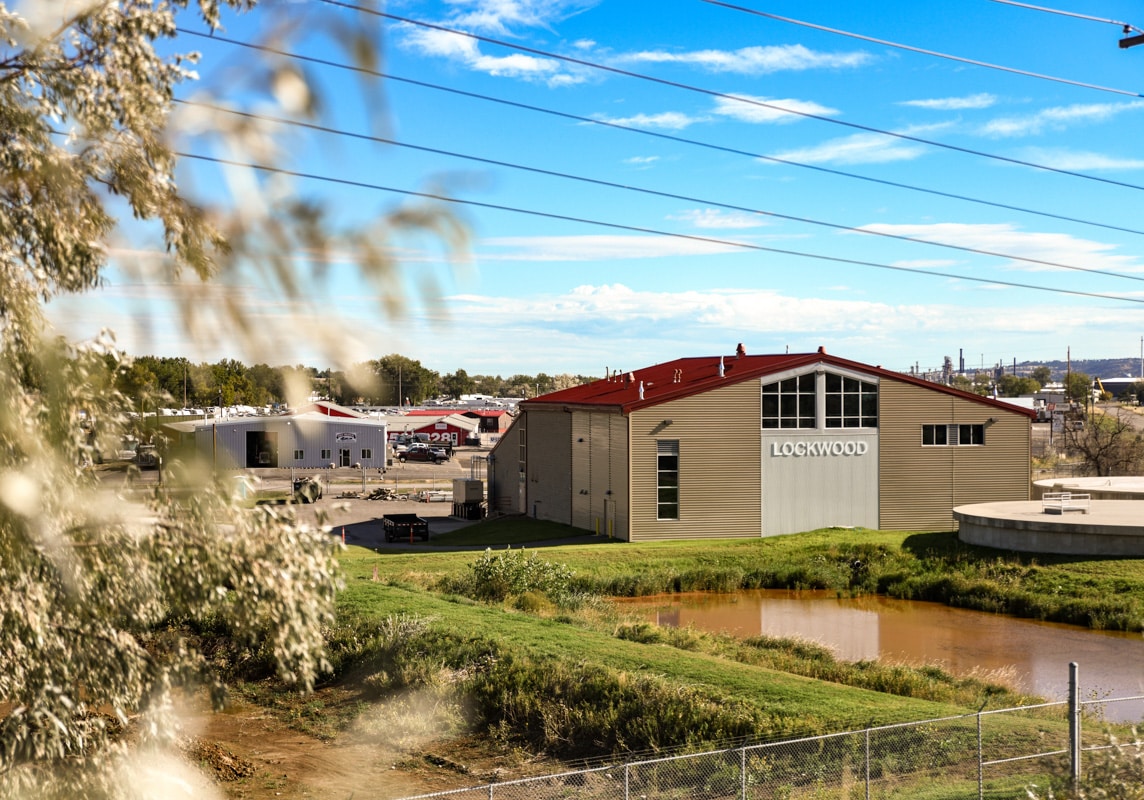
(667, 479)
(325, 455)
(366, 453)
(934, 435)
(952, 435)
(299, 455)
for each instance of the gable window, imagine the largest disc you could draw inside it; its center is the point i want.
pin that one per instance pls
(850, 403)
(667, 479)
(791, 403)
(952, 435)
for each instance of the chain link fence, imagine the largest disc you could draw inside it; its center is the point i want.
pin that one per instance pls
(987, 754)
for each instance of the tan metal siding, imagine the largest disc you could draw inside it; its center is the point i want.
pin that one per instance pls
(582, 469)
(600, 479)
(720, 483)
(618, 481)
(919, 486)
(549, 480)
(505, 496)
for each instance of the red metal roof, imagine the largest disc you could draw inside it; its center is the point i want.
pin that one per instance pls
(685, 377)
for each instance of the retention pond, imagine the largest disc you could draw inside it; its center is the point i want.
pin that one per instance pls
(1030, 656)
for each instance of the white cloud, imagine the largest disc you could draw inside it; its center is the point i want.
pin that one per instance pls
(755, 60)
(669, 120)
(748, 109)
(593, 248)
(641, 160)
(499, 16)
(714, 218)
(1079, 160)
(466, 50)
(1001, 238)
(861, 148)
(972, 101)
(1057, 118)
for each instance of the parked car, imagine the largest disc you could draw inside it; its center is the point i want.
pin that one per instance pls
(147, 456)
(424, 452)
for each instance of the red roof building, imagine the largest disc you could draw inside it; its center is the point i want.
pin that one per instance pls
(742, 445)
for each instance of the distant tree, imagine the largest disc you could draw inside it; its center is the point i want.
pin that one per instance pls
(1042, 375)
(400, 378)
(492, 385)
(1108, 444)
(1078, 387)
(1013, 386)
(267, 385)
(457, 384)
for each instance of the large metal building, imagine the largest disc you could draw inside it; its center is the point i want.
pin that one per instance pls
(308, 440)
(748, 446)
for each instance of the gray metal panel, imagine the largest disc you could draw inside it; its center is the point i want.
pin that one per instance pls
(819, 479)
(549, 487)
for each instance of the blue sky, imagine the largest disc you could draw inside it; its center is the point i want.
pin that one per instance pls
(711, 154)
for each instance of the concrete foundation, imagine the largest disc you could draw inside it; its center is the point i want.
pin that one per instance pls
(1110, 528)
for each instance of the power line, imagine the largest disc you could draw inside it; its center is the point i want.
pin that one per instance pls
(652, 231)
(912, 49)
(737, 98)
(653, 192)
(663, 136)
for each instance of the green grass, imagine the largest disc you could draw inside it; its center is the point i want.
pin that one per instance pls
(1099, 593)
(570, 675)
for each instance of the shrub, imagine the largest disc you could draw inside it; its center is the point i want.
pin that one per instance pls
(507, 573)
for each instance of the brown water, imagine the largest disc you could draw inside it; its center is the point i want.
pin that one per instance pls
(1031, 656)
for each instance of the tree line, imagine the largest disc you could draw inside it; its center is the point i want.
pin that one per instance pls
(162, 382)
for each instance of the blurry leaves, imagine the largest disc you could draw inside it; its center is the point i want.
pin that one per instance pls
(106, 595)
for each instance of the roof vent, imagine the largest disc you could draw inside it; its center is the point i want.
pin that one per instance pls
(821, 350)
(677, 376)
(628, 378)
(641, 390)
(740, 351)
(721, 367)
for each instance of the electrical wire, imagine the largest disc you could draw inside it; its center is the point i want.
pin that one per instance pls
(651, 192)
(737, 98)
(652, 231)
(921, 50)
(664, 136)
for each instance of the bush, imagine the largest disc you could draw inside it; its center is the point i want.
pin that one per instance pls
(509, 573)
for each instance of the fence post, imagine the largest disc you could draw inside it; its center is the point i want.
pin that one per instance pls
(1074, 723)
(867, 764)
(627, 772)
(490, 791)
(743, 771)
(980, 760)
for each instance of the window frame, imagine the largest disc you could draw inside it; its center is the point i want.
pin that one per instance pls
(786, 405)
(667, 449)
(953, 434)
(299, 455)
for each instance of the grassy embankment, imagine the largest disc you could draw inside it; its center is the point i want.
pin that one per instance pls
(566, 673)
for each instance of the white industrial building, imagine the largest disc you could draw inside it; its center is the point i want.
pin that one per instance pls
(320, 437)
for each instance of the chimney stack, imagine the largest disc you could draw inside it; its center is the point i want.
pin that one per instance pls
(740, 351)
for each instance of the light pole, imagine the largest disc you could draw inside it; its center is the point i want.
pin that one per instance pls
(361, 466)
